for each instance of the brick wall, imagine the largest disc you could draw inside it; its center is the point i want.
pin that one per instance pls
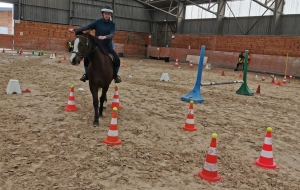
(268, 53)
(264, 45)
(45, 36)
(6, 41)
(6, 20)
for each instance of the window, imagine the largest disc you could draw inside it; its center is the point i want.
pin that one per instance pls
(194, 12)
(291, 7)
(3, 30)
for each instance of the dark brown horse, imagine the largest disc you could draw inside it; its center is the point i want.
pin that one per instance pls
(100, 70)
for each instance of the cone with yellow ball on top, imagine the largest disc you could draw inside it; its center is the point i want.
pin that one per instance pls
(266, 156)
(210, 169)
(190, 122)
(112, 136)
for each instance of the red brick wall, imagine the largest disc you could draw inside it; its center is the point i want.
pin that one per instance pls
(6, 20)
(264, 45)
(259, 63)
(45, 36)
(6, 41)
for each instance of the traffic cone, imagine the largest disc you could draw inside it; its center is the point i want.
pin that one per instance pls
(122, 65)
(210, 169)
(266, 156)
(116, 101)
(3, 51)
(190, 123)
(284, 80)
(71, 101)
(241, 75)
(65, 57)
(291, 77)
(273, 80)
(27, 90)
(55, 54)
(112, 136)
(223, 73)
(278, 83)
(258, 90)
(21, 52)
(176, 63)
(191, 63)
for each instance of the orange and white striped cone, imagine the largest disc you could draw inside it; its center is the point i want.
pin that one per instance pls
(191, 63)
(116, 101)
(112, 136)
(266, 156)
(21, 52)
(71, 101)
(284, 80)
(190, 122)
(176, 63)
(210, 169)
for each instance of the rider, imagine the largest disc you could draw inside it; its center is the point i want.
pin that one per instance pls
(70, 45)
(105, 30)
(241, 59)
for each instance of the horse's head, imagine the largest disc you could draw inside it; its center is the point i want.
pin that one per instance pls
(82, 47)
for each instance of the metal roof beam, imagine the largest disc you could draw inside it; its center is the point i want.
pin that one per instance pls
(264, 5)
(156, 7)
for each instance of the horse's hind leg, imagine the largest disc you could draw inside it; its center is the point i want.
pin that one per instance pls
(94, 91)
(102, 99)
(105, 103)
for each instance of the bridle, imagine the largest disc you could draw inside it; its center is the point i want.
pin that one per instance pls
(86, 45)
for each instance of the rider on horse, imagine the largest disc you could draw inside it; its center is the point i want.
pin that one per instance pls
(105, 30)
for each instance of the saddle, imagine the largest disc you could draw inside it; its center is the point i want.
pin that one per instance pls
(97, 42)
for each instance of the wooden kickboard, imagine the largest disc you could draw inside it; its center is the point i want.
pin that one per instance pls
(196, 59)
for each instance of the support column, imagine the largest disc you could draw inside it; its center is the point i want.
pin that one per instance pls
(277, 13)
(180, 17)
(220, 16)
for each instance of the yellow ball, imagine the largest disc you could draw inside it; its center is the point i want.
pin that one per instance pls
(214, 135)
(269, 129)
(191, 102)
(72, 86)
(115, 109)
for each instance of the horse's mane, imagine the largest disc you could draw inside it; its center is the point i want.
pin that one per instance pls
(95, 42)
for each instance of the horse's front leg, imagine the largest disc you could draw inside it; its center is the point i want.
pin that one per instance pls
(102, 99)
(94, 91)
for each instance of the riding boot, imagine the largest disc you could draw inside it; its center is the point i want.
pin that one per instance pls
(84, 77)
(118, 79)
(237, 67)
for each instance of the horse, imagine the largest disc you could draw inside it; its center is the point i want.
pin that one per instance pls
(100, 70)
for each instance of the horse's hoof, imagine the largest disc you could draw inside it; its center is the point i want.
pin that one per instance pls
(96, 123)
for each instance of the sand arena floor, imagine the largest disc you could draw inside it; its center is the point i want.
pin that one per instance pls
(44, 147)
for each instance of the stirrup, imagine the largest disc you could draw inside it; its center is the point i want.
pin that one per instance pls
(83, 78)
(118, 79)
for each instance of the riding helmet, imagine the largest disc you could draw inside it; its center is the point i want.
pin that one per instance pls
(106, 8)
